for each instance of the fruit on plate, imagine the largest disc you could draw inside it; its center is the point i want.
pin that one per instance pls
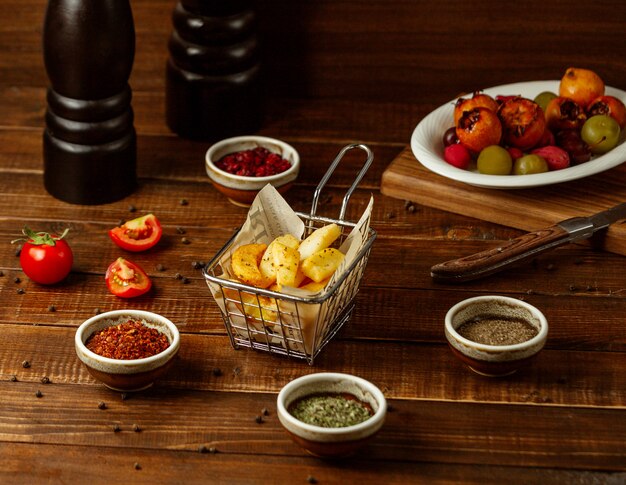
(137, 234)
(559, 130)
(564, 113)
(477, 100)
(523, 122)
(601, 133)
(573, 144)
(494, 160)
(126, 279)
(530, 164)
(457, 155)
(581, 85)
(45, 258)
(543, 98)
(555, 157)
(478, 128)
(609, 105)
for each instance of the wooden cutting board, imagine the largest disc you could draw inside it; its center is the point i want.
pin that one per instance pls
(527, 209)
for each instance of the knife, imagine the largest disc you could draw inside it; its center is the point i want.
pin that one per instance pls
(524, 247)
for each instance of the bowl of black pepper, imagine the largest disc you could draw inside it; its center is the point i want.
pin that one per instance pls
(495, 336)
(127, 350)
(331, 415)
(241, 166)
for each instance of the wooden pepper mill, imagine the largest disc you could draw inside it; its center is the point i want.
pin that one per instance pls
(89, 144)
(213, 79)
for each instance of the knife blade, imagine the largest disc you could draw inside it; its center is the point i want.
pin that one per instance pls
(519, 249)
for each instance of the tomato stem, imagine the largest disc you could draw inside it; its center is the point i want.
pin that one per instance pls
(40, 238)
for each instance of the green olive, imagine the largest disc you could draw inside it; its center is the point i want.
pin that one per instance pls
(530, 164)
(542, 99)
(494, 160)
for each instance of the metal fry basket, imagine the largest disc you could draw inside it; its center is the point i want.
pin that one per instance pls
(293, 325)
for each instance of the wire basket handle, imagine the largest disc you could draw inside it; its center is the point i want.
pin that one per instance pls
(331, 169)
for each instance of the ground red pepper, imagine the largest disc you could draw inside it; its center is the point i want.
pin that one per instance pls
(128, 340)
(257, 162)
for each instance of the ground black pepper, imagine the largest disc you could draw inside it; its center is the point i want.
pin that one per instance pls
(45, 380)
(52, 308)
(20, 291)
(217, 371)
(25, 364)
(14, 378)
(39, 393)
(102, 405)
(116, 428)
(180, 230)
(136, 428)
(497, 330)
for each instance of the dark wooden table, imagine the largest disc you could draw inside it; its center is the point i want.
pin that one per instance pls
(353, 72)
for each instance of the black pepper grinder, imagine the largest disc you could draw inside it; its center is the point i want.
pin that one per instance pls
(89, 143)
(213, 74)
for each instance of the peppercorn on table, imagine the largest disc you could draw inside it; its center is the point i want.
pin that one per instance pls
(337, 72)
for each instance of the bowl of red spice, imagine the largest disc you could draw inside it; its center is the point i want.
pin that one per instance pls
(495, 335)
(241, 166)
(127, 350)
(331, 414)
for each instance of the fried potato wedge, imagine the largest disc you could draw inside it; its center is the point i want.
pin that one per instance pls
(322, 264)
(245, 265)
(319, 239)
(287, 265)
(254, 306)
(267, 262)
(314, 286)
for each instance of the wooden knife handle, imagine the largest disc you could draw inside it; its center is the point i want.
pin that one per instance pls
(493, 260)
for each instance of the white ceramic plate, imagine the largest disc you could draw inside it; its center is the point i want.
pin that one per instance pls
(427, 145)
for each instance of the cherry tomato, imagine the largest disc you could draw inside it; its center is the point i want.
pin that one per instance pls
(126, 279)
(523, 122)
(45, 258)
(138, 234)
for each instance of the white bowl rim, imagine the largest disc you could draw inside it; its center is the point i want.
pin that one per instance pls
(374, 422)
(295, 163)
(143, 314)
(541, 334)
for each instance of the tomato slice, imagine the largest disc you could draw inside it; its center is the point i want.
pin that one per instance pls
(137, 234)
(126, 279)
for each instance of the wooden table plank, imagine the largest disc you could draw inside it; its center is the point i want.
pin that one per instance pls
(45, 463)
(416, 430)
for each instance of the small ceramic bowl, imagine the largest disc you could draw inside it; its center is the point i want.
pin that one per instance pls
(127, 375)
(494, 360)
(242, 190)
(331, 442)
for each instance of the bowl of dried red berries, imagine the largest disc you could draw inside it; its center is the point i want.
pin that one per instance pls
(127, 350)
(241, 166)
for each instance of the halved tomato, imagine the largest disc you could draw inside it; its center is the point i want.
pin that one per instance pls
(126, 279)
(137, 234)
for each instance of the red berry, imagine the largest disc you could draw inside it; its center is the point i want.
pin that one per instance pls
(457, 155)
